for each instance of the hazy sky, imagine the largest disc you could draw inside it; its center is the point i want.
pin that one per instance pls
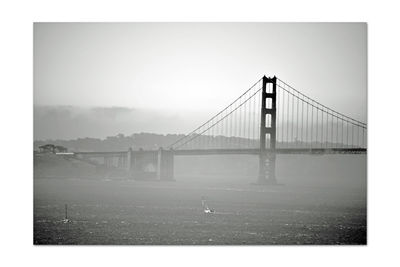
(197, 67)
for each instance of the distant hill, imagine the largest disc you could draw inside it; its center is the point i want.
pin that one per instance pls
(119, 142)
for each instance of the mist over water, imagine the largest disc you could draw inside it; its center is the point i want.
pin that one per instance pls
(321, 200)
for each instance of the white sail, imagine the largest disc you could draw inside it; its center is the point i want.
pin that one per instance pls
(205, 206)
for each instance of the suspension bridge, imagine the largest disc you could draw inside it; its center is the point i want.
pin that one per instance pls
(268, 119)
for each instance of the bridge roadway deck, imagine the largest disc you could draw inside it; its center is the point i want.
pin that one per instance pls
(102, 154)
(239, 151)
(256, 151)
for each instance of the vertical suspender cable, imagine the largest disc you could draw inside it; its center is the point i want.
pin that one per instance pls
(316, 138)
(297, 120)
(240, 123)
(302, 119)
(332, 130)
(229, 133)
(307, 124)
(252, 121)
(226, 132)
(283, 115)
(363, 138)
(342, 131)
(233, 121)
(312, 122)
(358, 136)
(322, 127)
(249, 122)
(217, 129)
(337, 129)
(327, 129)
(287, 130)
(347, 132)
(292, 139)
(245, 119)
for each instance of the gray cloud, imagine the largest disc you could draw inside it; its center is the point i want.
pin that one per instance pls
(69, 122)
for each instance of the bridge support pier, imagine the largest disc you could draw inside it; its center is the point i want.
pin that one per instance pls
(129, 160)
(165, 165)
(108, 162)
(136, 165)
(267, 169)
(151, 165)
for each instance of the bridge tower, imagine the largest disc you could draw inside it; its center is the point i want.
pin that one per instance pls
(267, 158)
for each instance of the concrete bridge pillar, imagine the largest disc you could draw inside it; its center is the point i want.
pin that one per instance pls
(136, 162)
(107, 161)
(165, 165)
(129, 159)
(120, 162)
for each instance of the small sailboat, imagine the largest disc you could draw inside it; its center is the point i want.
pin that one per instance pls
(66, 220)
(205, 206)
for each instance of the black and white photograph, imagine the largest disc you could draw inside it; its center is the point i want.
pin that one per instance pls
(200, 133)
